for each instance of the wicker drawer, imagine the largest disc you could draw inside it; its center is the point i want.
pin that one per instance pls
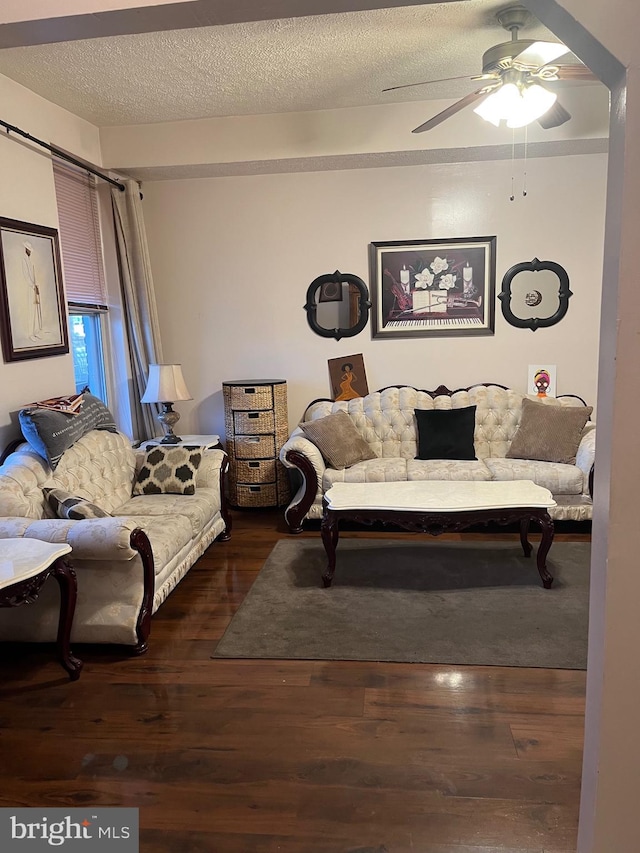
(254, 446)
(255, 471)
(253, 423)
(250, 397)
(250, 495)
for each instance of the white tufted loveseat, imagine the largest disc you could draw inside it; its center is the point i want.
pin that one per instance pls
(386, 420)
(126, 565)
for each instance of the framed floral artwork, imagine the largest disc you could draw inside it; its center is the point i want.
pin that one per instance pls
(421, 288)
(33, 320)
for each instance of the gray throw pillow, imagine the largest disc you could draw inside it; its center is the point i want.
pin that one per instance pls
(549, 433)
(66, 505)
(51, 433)
(168, 470)
(339, 441)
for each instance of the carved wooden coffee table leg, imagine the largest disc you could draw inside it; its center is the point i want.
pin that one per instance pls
(524, 536)
(546, 523)
(66, 577)
(330, 533)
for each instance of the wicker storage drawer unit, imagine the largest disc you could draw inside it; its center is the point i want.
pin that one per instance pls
(253, 423)
(256, 422)
(255, 447)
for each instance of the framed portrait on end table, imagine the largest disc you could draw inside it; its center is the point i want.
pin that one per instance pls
(421, 288)
(33, 318)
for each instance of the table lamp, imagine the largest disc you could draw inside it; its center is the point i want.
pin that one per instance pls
(165, 386)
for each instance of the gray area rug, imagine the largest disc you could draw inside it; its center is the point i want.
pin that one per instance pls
(416, 601)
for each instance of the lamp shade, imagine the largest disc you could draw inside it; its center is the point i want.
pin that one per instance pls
(499, 104)
(535, 102)
(165, 384)
(517, 106)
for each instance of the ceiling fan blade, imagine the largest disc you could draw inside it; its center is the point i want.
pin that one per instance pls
(554, 117)
(426, 82)
(471, 98)
(575, 72)
(540, 53)
(490, 76)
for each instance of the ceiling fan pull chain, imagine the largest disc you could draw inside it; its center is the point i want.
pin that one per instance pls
(513, 158)
(524, 177)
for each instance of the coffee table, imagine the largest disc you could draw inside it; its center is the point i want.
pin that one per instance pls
(438, 506)
(25, 564)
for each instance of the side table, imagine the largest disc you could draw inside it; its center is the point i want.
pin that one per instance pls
(207, 442)
(25, 564)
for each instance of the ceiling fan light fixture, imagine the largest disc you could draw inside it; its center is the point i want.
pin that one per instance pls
(534, 102)
(516, 105)
(500, 104)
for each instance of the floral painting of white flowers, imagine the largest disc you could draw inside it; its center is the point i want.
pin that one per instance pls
(433, 287)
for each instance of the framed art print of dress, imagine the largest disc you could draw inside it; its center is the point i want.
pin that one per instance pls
(33, 320)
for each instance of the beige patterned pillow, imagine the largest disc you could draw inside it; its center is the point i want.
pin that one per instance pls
(549, 433)
(168, 469)
(338, 440)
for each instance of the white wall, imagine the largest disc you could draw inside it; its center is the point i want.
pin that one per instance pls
(27, 193)
(351, 131)
(611, 761)
(233, 257)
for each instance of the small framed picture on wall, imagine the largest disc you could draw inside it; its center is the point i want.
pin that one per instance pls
(542, 380)
(348, 378)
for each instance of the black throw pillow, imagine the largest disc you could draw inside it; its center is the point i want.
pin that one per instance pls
(446, 433)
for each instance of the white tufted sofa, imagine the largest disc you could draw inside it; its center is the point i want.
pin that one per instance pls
(126, 565)
(386, 420)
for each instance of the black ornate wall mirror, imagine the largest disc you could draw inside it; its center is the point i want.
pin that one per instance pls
(337, 305)
(535, 295)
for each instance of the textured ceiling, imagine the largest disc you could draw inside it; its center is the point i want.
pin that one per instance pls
(309, 63)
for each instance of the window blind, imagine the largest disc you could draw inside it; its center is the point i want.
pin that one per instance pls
(80, 242)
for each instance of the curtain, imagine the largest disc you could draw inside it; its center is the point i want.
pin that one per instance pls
(138, 297)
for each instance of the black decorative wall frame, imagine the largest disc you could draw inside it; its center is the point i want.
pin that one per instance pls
(535, 297)
(323, 289)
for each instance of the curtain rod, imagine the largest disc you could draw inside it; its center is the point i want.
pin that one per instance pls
(10, 128)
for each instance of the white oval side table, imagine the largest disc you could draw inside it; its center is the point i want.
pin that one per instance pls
(25, 565)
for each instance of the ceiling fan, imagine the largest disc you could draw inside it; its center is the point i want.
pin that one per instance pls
(513, 74)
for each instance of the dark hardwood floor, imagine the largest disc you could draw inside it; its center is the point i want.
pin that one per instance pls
(227, 756)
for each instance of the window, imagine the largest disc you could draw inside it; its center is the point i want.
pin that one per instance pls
(83, 270)
(85, 338)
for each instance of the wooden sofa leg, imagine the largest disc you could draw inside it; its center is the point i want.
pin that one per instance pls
(224, 506)
(140, 543)
(295, 515)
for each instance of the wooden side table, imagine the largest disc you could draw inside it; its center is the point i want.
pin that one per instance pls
(25, 564)
(207, 442)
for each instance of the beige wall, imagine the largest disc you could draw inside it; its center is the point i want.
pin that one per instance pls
(354, 131)
(18, 10)
(611, 764)
(233, 257)
(27, 193)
